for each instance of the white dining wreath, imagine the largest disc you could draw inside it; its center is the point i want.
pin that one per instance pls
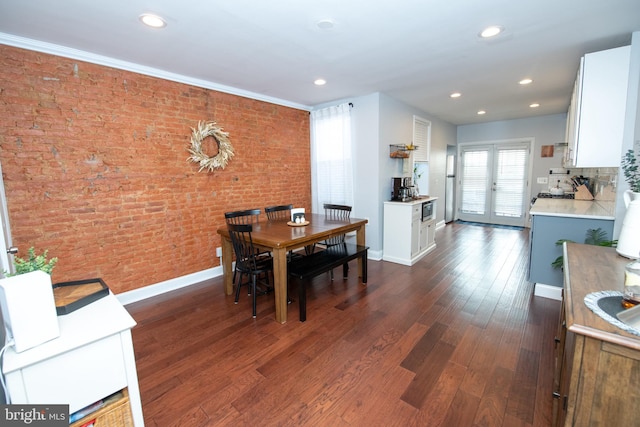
(225, 149)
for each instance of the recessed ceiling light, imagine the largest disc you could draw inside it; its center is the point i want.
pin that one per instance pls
(319, 82)
(455, 95)
(525, 81)
(534, 105)
(491, 31)
(481, 112)
(152, 20)
(325, 24)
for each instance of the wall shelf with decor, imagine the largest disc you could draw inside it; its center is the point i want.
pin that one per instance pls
(401, 151)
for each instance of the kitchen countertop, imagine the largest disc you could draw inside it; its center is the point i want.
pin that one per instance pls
(420, 199)
(573, 208)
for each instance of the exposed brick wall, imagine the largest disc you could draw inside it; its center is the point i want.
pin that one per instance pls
(94, 162)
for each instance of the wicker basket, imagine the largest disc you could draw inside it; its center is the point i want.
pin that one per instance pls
(397, 151)
(115, 413)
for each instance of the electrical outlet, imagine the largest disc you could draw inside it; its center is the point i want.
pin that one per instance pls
(543, 180)
(218, 252)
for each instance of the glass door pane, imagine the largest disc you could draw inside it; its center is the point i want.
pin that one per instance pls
(475, 184)
(494, 183)
(510, 177)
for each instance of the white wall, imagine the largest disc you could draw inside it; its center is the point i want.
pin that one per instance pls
(396, 127)
(631, 135)
(379, 121)
(367, 154)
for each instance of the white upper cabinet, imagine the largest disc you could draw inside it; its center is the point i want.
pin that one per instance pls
(595, 120)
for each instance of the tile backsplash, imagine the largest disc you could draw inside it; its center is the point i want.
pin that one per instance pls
(603, 180)
(604, 183)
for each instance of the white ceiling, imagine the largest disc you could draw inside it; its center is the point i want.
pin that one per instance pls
(416, 51)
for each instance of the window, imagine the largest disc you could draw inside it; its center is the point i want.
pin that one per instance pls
(331, 161)
(421, 138)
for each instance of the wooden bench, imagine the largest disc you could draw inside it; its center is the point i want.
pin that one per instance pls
(307, 267)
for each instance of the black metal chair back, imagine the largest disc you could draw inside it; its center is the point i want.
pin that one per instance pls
(278, 213)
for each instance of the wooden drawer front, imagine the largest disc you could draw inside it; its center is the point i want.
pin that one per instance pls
(608, 388)
(80, 377)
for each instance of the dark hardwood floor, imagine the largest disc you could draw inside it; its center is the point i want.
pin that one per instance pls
(456, 340)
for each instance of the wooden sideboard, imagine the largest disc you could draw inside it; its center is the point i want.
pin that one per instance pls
(597, 375)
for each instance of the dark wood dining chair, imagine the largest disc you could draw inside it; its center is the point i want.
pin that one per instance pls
(282, 213)
(246, 216)
(279, 212)
(249, 263)
(338, 213)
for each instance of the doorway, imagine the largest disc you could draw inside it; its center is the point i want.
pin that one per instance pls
(494, 182)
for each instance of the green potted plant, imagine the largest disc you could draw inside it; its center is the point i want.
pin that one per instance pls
(33, 262)
(28, 302)
(628, 243)
(416, 177)
(631, 172)
(595, 237)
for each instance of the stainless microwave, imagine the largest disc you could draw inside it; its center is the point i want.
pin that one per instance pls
(427, 210)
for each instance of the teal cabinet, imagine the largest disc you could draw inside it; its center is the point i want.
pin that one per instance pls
(545, 231)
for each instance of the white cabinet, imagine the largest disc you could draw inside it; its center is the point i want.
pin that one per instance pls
(406, 237)
(424, 233)
(428, 233)
(416, 220)
(91, 359)
(595, 120)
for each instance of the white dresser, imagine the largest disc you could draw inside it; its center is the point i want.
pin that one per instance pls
(91, 359)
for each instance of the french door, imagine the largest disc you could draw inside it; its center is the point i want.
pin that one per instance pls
(494, 183)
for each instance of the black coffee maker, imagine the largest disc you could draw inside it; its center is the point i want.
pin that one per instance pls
(401, 189)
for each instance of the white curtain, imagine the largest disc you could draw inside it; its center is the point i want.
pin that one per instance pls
(331, 161)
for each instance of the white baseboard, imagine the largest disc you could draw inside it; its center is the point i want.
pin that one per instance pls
(374, 255)
(140, 294)
(548, 291)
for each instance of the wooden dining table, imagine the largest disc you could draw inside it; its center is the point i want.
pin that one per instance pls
(279, 238)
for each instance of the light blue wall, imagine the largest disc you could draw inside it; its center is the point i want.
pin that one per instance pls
(549, 130)
(545, 130)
